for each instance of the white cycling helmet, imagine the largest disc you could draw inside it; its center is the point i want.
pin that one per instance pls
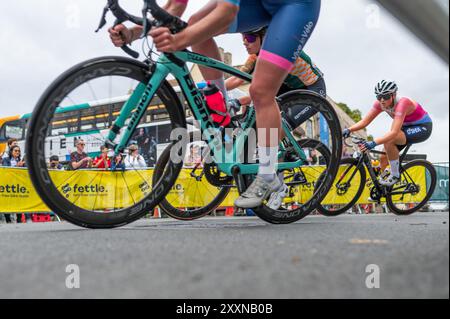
(386, 87)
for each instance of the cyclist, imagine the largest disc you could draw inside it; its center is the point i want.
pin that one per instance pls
(290, 25)
(305, 75)
(411, 125)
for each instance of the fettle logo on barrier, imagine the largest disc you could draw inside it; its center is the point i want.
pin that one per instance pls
(13, 190)
(79, 189)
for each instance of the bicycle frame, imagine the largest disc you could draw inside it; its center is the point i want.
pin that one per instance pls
(175, 64)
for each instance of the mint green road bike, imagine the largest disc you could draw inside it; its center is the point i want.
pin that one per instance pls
(96, 198)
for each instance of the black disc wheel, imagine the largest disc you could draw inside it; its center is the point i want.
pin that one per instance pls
(79, 108)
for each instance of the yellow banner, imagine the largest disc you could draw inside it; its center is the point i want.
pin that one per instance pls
(106, 190)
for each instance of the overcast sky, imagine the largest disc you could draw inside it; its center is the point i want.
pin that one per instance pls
(356, 44)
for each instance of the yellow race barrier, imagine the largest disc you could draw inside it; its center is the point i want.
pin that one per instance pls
(106, 190)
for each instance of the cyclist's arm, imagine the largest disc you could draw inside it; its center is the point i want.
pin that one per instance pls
(233, 83)
(373, 113)
(174, 7)
(401, 111)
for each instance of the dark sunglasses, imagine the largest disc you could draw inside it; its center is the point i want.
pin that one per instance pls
(384, 96)
(250, 38)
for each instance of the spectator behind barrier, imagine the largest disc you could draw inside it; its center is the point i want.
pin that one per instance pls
(134, 160)
(79, 159)
(102, 161)
(14, 158)
(118, 163)
(55, 164)
(11, 142)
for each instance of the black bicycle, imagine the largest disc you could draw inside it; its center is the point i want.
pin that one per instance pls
(417, 184)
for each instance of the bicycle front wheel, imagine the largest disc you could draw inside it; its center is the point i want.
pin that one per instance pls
(418, 182)
(81, 105)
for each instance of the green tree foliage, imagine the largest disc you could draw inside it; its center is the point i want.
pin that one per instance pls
(355, 115)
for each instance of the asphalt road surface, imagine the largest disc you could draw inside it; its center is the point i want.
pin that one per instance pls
(318, 257)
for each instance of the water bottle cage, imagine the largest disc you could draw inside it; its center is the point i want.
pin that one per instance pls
(223, 115)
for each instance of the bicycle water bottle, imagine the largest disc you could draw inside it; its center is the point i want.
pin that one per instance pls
(216, 104)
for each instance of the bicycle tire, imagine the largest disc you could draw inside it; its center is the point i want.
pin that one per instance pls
(314, 100)
(41, 121)
(390, 201)
(362, 172)
(188, 214)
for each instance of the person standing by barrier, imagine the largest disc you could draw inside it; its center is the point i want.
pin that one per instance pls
(14, 159)
(134, 160)
(11, 142)
(55, 164)
(118, 163)
(79, 159)
(102, 161)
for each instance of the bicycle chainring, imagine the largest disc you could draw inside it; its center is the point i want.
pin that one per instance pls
(375, 194)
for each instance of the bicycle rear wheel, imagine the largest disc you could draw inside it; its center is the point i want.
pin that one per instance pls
(418, 182)
(317, 185)
(346, 190)
(96, 198)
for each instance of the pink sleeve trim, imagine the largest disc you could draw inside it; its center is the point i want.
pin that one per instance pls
(182, 1)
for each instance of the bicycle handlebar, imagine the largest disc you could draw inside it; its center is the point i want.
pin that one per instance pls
(161, 18)
(358, 140)
(355, 139)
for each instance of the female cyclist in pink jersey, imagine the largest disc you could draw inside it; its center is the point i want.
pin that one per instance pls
(411, 125)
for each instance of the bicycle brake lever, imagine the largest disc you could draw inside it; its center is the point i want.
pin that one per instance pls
(103, 18)
(146, 27)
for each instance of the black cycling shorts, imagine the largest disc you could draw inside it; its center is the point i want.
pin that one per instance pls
(416, 134)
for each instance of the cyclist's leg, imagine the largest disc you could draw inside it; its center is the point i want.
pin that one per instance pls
(384, 162)
(393, 154)
(417, 133)
(276, 59)
(250, 16)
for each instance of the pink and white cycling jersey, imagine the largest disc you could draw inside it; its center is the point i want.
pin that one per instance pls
(412, 112)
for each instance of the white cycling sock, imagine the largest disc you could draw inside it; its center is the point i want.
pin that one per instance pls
(268, 158)
(395, 168)
(220, 83)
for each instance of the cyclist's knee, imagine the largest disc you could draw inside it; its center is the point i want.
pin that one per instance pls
(260, 93)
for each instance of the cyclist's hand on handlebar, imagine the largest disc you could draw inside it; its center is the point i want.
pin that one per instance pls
(367, 146)
(165, 41)
(346, 133)
(120, 35)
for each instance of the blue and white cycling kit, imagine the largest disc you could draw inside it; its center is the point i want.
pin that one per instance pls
(290, 22)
